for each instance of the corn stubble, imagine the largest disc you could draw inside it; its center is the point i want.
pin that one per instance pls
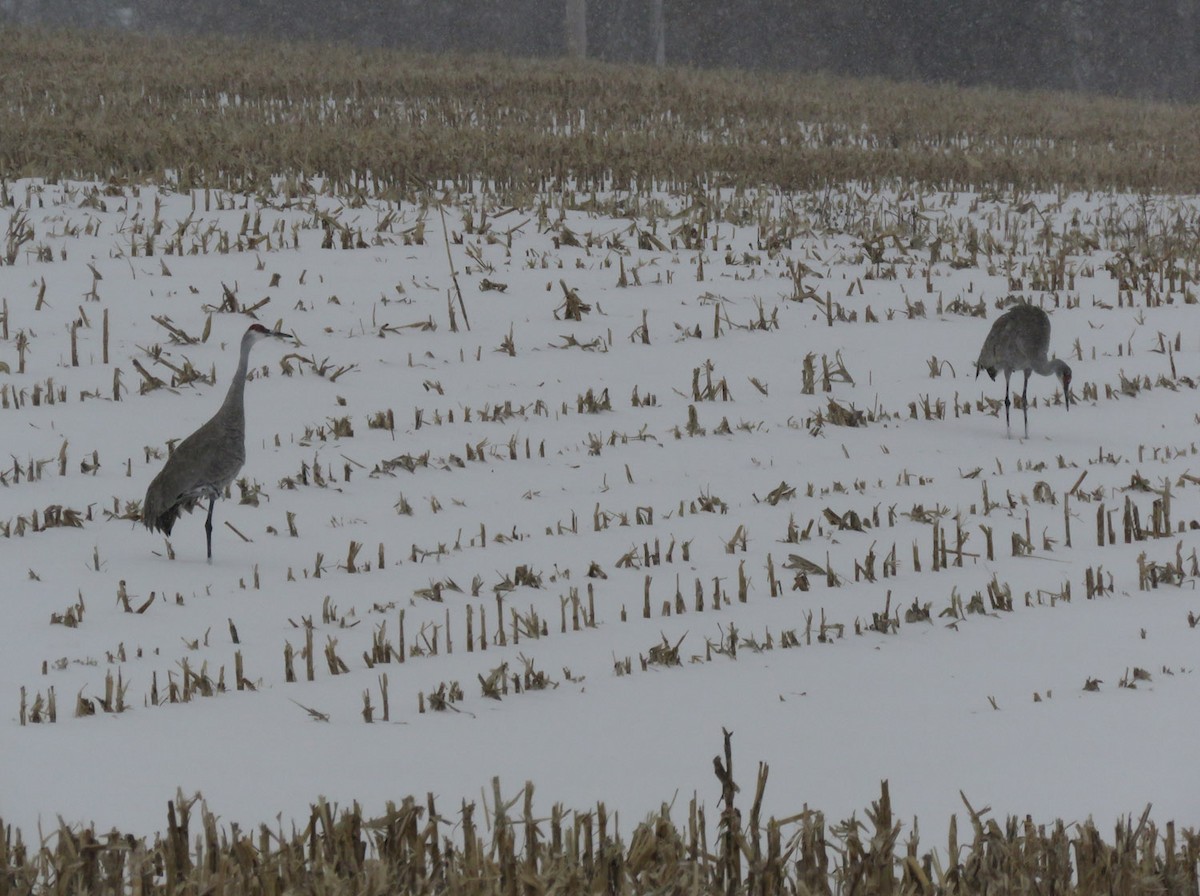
(596, 128)
(537, 123)
(413, 847)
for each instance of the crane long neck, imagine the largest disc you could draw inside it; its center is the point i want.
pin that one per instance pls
(1049, 367)
(234, 404)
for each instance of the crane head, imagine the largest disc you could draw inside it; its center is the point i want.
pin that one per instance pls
(258, 331)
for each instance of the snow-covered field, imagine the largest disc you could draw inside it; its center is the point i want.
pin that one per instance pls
(822, 590)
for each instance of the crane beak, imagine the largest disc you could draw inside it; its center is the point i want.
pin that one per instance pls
(279, 334)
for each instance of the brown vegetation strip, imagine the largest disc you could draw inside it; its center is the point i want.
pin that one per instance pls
(221, 113)
(413, 849)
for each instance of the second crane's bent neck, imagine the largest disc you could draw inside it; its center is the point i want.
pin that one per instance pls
(1051, 367)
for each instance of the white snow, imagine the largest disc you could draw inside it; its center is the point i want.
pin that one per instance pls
(936, 707)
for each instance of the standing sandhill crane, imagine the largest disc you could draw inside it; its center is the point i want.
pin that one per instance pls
(1019, 340)
(205, 462)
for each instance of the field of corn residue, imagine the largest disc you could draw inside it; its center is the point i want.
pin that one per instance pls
(625, 513)
(219, 113)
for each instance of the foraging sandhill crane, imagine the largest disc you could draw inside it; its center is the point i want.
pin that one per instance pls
(207, 461)
(1019, 340)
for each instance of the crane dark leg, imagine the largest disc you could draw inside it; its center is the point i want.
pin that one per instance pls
(208, 525)
(1007, 402)
(1025, 403)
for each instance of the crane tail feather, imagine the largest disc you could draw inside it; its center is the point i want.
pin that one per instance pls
(156, 517)
(990, 371)
(162, 522)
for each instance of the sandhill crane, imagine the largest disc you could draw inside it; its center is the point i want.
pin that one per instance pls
(205, 462)
(1019, 340)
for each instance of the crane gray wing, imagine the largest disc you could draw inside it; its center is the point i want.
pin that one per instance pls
(201, 466)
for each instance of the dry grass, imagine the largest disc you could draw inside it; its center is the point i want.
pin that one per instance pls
(220, 113)
(414, 849)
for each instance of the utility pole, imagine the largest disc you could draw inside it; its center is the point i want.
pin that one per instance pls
(576, 28)
(660, 32)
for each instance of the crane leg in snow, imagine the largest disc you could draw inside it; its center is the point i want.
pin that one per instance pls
(208, 526)
(1025, 403)
(1007, 402)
